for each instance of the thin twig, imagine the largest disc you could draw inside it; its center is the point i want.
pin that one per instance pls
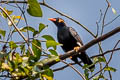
(104, 16)
(83, 77)
(106, 63)
(103, 23)
(111, 21)
(106, 52)
(111, 56)
(62, 14)
(97, 22)
(17, 29)
(25, 22)
(99, 44)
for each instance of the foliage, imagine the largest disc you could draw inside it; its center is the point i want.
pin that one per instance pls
(34, 8)
(16, 59)
(27, 59)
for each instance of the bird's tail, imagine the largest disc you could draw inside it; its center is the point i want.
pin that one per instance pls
(84, 58)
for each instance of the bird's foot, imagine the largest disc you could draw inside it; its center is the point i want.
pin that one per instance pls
(76, 48)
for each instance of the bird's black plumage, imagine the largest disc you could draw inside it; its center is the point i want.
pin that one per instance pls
(70, 39)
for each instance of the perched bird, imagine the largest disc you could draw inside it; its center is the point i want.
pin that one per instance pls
(70, 40)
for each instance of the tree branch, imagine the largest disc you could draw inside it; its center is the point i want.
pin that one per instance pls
(83, 77)
(17, 29)
(85, 47)
(62, 14)
(72, 52)
(106, 52)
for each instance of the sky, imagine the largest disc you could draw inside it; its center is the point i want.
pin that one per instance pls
(87, 12)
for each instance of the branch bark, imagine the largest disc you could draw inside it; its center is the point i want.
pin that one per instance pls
(17, 29)
(107, 52)
(86, 46)
(62, 14)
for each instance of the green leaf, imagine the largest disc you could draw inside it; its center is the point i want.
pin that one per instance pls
(48, 74)
(47, 60)
(35, 33)
(11, 64)
(27, 53)
(18, 58)
(2, 32)
(47, 77)
(85, 66)
(24, 29)
(48, 37)
(26, 70)
(27, 28)
(41, 64)
(10, 56)
(36, 46)
(22, 48)
(18, 74)
(8, 12)
(12, 45)
(99, 59)
(53, 52)
(51, 43)
(34, 8)
(99, 77)
(110, 69)
(41, 27)
(86, 73)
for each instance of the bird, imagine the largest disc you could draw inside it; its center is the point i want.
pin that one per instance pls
(69, 38)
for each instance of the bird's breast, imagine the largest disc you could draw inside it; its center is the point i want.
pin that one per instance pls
(65, 38)
(63, 35)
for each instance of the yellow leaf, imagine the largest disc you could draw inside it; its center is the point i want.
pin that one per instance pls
(8, 12)
(48, 77)
(19, 17)
(6, 66)
(13, 17)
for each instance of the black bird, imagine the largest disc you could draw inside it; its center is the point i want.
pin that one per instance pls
(70, 40)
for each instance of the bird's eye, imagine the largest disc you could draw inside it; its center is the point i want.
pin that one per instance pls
(60, 20)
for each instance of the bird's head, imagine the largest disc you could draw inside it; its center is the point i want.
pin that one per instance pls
(58, 22)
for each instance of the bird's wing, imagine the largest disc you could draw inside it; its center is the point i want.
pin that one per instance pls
(76, 36)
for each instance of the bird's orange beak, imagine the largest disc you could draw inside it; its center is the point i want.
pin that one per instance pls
(52, 19)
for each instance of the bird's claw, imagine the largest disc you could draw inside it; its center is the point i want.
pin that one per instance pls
(76, 48)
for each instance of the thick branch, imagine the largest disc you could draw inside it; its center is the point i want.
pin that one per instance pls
(85, 47)
(72, 52)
